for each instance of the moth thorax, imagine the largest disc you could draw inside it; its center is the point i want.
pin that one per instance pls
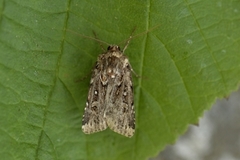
(111, 72)
(117, 54)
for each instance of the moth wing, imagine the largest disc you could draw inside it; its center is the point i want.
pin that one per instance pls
(120, 114)
(93, 119)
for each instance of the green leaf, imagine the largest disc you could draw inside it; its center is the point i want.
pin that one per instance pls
(191, 59)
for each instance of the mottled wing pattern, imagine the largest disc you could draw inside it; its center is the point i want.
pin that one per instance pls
(93, 118)
(120, 114)
(110, 97)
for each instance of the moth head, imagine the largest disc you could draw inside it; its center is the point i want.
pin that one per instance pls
(113, 48)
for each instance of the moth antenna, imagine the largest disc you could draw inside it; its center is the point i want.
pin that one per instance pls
(95, 35)
(145, 32)
(98, 40)
(128, 40)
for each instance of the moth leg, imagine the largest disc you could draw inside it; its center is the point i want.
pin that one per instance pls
(84, 77)
(138, 76)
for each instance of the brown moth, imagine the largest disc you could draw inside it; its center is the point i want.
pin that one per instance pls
(110, 101)
(110, 96)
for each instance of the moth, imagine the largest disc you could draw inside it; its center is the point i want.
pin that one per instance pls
(110, 97)
(110, 101)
